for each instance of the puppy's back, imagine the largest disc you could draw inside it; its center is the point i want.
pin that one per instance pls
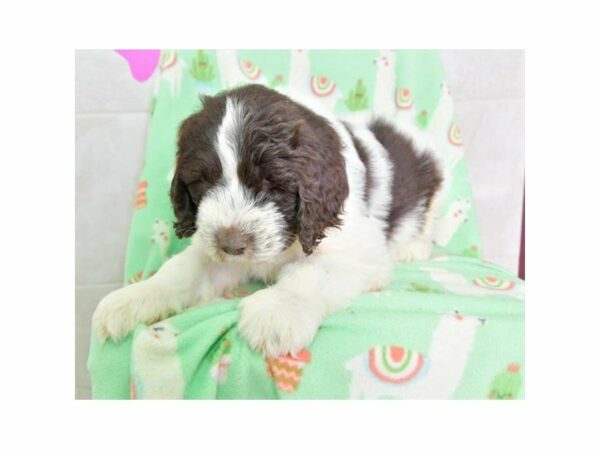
(416, 173)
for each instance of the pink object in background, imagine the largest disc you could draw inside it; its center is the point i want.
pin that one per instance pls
(142, 63)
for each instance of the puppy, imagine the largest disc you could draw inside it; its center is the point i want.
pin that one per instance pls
(270, 187)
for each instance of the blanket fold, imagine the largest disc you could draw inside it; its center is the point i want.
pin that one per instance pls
(442, 329)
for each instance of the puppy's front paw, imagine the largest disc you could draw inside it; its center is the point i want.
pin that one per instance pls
(122, 310)
(275, 324)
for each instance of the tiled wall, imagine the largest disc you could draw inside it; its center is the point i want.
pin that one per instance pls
(111, 119)
(488, 88)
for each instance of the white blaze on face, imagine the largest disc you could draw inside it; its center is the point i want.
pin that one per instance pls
(231, 204)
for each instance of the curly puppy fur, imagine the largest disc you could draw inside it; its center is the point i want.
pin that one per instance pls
(270, 186)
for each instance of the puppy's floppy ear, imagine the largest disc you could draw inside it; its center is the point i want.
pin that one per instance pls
(184, 207)
(322, 182)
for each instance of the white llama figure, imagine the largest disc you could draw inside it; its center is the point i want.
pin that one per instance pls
(171, 71)
(218, 371)
(299, 78)
(161, 237)
(325, 91)
(448, 224)
(384, 100)
(481, 287)
(406, 113)
(235, 72)
(433, 376)
(157, 368)
(229, 68)
(310, 87)
(444, 112)
(444, 130)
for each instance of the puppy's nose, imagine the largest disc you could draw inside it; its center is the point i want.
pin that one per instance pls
(233, 241)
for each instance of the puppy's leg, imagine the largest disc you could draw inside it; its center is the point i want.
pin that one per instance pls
(285, 317)
(184, 280)
(418, 248)
(413, 240)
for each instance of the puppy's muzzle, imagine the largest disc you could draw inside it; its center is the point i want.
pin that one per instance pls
(233, 241)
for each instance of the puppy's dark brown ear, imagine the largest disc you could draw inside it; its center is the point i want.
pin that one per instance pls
(322, 182)
(184, 207)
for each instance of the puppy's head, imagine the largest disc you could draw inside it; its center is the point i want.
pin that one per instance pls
(256, 171)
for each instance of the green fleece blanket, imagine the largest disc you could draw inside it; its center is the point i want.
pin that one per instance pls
(451, 327)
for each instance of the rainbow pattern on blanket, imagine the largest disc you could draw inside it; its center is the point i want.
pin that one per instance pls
(495, 283)
(454, 135)
(249, 69)
(322, 86)
(395, 364)
(403, 98)
(168, 59)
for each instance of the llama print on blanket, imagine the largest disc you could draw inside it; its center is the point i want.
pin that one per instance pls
(404, 98)
(157, 370)
(171, 68)
(447, 225)
(251, 71)
(136, 278)
(455, 135)
(235, 72)
(389, 100)
(161, 237)
(405, 110)
(299, 77)
(445, 131)
(317, 87)
(395, 372)
(479, 287)
(222, 361)
(325, 91)
(384, 102)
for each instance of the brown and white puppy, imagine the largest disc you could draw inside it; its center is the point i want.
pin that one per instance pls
(269, 186)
